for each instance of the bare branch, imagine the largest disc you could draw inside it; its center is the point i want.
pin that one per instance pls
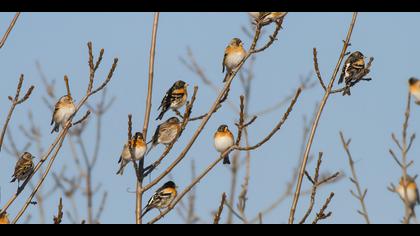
(219, 212)
(360, 195)
(318, 73)
(16, 101)
(6, 34)
(317, 119)
(321, 215)
(59, 217)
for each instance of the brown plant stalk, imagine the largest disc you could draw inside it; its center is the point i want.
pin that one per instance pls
(139, 189)
(55, 145)
(212, 165)
(15, 101)
(359, 195)
(9, 29)
(317, 119)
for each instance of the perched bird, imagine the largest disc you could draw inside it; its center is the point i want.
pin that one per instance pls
(353, 65)
(267, 17)
(414, 85)
(166, 133)
(139, 148)
(4, 219)
(413, 197)
(64, 109)
(175, 98)
(24, 167)
(223, 140)
(234, 54)
(162, 198)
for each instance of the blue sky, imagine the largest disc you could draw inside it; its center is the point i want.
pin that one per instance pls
(369, 116)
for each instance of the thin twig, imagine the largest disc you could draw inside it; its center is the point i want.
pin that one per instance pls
(56, 145)
(318, 73)
(139, 191)
(321, 214)
(315, 184)
(219, 212)
(15, 101)
(361, 195)
(59, 217)
(317, 119)
(6, 34)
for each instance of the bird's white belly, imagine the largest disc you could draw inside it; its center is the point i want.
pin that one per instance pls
(233, 59)
(411, 194)
(223, 143)
(417, 96)
(138, 153)
(64, 114)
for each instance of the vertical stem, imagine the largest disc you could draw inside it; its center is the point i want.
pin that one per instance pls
(404, 150)
(360, 194)
(89, 194)
(12, 24)
(139, 191)
(316, 121)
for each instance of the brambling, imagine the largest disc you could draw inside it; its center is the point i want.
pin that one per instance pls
(234, 54)
(162, 198)
(413, 197)
(64, 109)
(139, 147)
(4, 219)
(223, 140)
(353, 65)
(166, 132)
(267, 17)
(24, 167)
(175, 98)
(414, 86)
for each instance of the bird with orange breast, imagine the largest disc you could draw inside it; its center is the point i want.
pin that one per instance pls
(4, 219)
(223, 140)
(412, 197)
(139, 148)
(414, 87)
(234, 54)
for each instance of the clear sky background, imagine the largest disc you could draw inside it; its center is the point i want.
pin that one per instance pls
(369, 116)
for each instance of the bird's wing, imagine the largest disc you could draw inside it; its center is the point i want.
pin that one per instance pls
(156, 135)
(343, 72)
(55, 111)
(166, 101)
(418, 196)
(224, 59)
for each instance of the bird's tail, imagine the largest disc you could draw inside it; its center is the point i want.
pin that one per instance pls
(226, 77)
(162, 113)
(346, 91)
(226, 160)
(56, 128)
(412, 212)
(121, 170)
(145, 210)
